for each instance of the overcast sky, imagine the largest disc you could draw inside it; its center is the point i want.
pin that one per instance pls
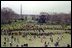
(35, 7)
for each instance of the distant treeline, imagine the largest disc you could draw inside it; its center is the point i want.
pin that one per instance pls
(8, 16)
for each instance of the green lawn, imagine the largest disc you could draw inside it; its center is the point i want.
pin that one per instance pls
(37, 41)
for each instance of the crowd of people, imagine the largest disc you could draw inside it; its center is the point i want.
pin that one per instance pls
(41, 36)
(56, 44)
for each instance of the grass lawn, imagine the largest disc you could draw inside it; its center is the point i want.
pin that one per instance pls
(36, 42)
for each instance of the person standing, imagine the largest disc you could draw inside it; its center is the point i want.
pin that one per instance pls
(68, 45)
(10, 44)
(45, 44)
(51, 39)
(14, 39)
(4, 44)
(17, 45)
(21, 45)
(56, 44)
(5, 38)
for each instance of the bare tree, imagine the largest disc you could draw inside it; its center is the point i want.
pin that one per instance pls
(7, 15)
